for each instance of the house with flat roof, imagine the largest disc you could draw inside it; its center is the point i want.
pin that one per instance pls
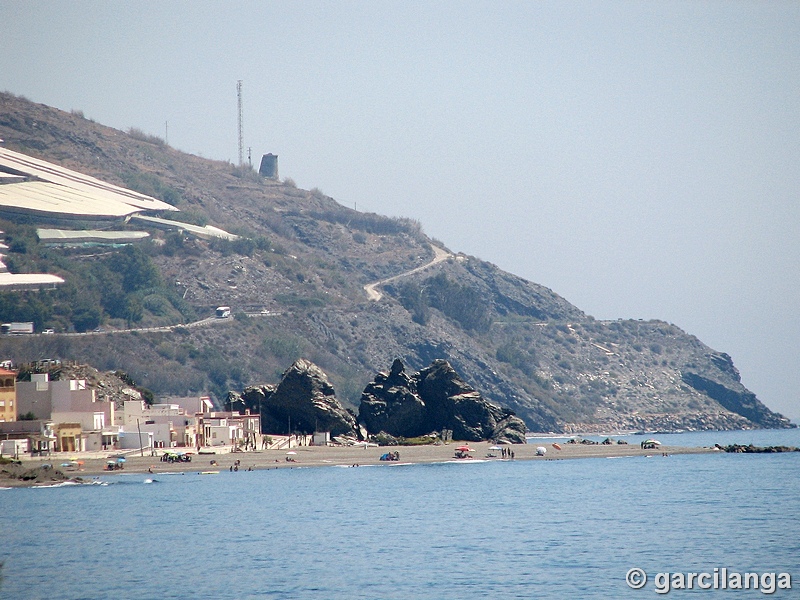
(229, 429)
(82, 422)
(44, 398)
(39, 434)
(169, 424)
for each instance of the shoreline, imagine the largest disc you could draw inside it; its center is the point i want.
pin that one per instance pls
(94, 464)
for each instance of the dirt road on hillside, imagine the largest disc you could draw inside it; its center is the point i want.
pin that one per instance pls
(372, 288)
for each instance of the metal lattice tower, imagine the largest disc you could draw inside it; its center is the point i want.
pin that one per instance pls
(241, 132)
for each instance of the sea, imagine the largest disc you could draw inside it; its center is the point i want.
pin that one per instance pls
(595, 528)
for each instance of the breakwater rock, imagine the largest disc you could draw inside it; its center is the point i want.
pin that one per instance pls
(751, 449)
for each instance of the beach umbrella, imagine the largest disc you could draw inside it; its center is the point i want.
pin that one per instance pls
(495, 448)
(291, 452)
(652, 441)
(464, 449)
(120, 460)
(541, 450)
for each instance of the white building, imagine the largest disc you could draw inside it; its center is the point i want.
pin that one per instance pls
(14, 448)
(191, 404)
(229, 429)
(168, 423)
(130, 440)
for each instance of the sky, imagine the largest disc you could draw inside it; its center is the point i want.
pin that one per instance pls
(641, 159)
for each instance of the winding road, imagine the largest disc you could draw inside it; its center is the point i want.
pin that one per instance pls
(372, 288)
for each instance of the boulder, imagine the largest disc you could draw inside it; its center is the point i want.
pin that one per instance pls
(306, 399)
(390, 404)
(434, 399)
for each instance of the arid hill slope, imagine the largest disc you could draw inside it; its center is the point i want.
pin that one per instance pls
(296, 282)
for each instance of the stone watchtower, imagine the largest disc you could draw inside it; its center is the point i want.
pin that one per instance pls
(269, 166)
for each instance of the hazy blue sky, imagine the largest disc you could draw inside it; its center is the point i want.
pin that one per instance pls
(642, 159)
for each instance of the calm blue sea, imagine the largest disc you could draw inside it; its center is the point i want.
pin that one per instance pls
(526, 529)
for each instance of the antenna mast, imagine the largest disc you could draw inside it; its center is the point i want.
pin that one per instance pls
(241, 134)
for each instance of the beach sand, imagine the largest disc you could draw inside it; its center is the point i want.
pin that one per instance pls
(94, 464)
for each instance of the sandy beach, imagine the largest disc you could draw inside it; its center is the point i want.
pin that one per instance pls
(94, 464)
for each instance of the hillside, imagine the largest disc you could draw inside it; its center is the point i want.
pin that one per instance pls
(295, 281)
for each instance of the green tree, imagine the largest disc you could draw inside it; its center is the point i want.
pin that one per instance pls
(136, 268)
(134, 311)
(459, 302)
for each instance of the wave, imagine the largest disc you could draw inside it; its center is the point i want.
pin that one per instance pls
(69, 484)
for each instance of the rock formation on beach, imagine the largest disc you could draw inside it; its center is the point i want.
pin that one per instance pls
(304, 399)
(434, 399)
(431, 400)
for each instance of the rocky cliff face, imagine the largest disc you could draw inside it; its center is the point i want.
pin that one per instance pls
(722, 383)
(434, 399)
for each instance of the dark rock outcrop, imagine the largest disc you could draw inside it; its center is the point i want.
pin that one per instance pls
(434, 399)
(252, 398)
(305, 399)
